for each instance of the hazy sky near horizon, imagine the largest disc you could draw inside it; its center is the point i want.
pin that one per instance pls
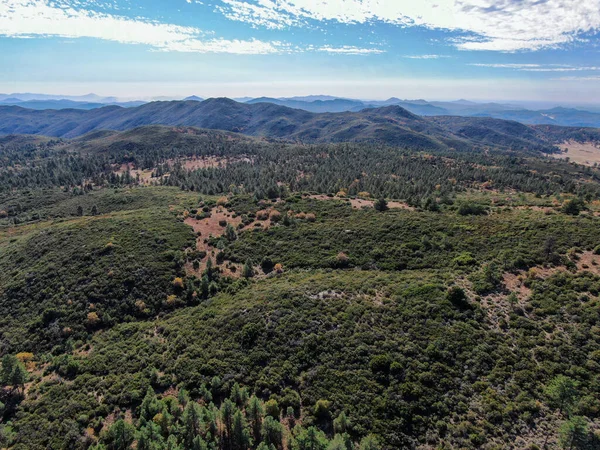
(533, 50)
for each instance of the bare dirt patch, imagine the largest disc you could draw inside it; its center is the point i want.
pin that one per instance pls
(206, 162)
(498, 305)
(210, 226)
(195, 163)
(144, 175)
(586, 153)
(589, 262)
(359, 203)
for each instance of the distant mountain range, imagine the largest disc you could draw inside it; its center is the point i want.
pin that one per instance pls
(64, 104)
(555, 116)
(392, 125)
(578, 117)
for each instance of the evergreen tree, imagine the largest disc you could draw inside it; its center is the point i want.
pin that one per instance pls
(341, 424)
(240, 435)
(255, 413)
(248, 271)
(149, 436)
(172, 444)
(341, 442)
(272, 432)
(369, 443)
(191, 422)
(119, 436)
(199, 444)
(574, 434)
(381, 204)
(151, 406)
(562, 393)
(13, 372)
(226, 413)
(309, 439)
(230, 233)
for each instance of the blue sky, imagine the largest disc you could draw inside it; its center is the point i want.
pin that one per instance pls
(530, 50)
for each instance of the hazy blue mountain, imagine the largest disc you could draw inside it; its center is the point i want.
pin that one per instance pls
(64, 104)
(312, 98)
(555, 116)
(316, 106)
(392, 125)
(88, 98)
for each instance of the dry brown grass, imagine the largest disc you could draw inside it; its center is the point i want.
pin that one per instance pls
(207, 227)
(358, 203)
(586, 153)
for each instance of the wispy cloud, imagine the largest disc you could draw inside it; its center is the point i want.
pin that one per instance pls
(497, 25)
(29, 18)
(540, 67)
(596, 78)
(426, 56)
(348, 50)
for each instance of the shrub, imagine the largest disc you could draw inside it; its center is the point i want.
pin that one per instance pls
(381, 363)
(275, 216)
(471, 209)
(92, 319)
(381, 204)
(262, 214)
(321, 410)
(272, 409)
(573, 207)
(267, 265)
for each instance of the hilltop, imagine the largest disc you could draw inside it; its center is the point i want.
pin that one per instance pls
(391, 125)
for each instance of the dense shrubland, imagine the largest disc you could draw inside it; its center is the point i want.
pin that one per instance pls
(341, 328)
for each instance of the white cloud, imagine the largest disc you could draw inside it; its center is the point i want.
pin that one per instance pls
(540, 67)
(29, 18)
(500, 25)
(577, 79)
(426, 56)
(348, 50)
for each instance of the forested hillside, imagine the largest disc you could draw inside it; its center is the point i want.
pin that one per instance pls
(390, 125)
(170, 287)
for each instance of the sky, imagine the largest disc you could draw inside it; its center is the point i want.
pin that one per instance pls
(499, 50)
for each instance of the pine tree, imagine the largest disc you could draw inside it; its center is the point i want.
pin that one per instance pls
(248, 271)
(381, 204)
(272, 432)
(151, 406)
(240, 435)
(255, 413)
(149, 436)
(309, 439)
(119, 436)
(369, 443)
(562, 392)
(341, 424)
(226, 413)
(574, 434)
(191, 422)
(230, 233)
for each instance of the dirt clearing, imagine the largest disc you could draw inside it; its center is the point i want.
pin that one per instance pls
(587, 153)
(358, 203)
(210, 226)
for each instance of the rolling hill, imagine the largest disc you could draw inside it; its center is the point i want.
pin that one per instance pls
(391, 125)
